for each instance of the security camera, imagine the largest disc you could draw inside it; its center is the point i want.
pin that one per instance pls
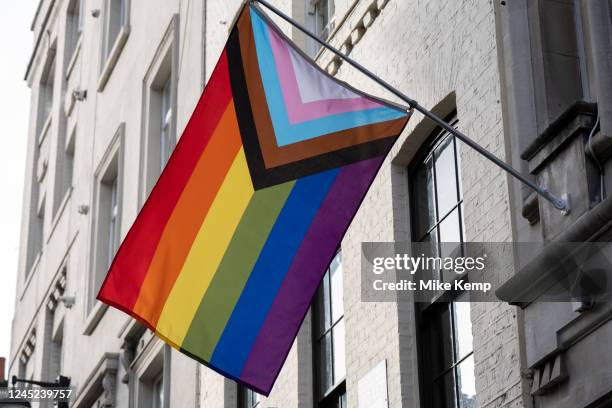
(79, 94)
(68, 301)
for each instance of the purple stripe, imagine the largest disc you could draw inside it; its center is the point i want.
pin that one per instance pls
(298, 111)
(307, 269)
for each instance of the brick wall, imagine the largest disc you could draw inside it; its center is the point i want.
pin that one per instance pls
(430, 50)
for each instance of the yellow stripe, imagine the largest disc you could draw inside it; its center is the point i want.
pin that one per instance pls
(206, 252)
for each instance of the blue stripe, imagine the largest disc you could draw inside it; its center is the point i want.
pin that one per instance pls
(287, 133)
(274, 261)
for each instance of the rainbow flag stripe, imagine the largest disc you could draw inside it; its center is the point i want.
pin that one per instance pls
(226, 254)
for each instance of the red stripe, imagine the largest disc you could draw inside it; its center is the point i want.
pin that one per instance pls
(124, 279)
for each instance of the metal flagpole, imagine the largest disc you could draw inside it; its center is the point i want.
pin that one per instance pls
(557, 202)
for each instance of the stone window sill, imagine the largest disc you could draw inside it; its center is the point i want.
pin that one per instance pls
(95, 315)
(113, 57)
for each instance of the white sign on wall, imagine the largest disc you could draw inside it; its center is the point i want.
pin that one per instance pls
(372, 388)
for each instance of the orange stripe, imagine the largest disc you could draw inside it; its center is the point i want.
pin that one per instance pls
(187, 217)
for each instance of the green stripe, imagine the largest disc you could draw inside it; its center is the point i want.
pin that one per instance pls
(238, 261)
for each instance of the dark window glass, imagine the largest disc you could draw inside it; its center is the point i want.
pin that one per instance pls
(248, 398)
(436, 192)
(445, 336)
(320, 21)
(329, 339)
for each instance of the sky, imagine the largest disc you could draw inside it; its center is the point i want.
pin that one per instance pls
(16, 43)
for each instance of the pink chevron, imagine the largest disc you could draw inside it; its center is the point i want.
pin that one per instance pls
(297, 110)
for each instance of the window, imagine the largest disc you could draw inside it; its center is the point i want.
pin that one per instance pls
(52, 346)
(35, 230)
(106, 217)
(159, 119)
(166, 137)
(45, 98)
(99, 387)
(329, 355)
(115, 18)
(64, 170)
(158, 392)
(116, 30)
(447, 356)
(437, 201)
(320, 21)
(151, 364)
(248, 398)
(74, 25)
(81, 16)
(36, 214)
(113, 223)
(445, 328)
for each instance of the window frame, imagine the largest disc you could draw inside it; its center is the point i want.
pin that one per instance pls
(166, 137)
(111, 162)
(113, 220)
(75, 22)
(427, 314)
(162, 70)
(312, 7)
(428, 385)
(110, 50)
(64, 173)
(150, 367)
(46, 90)
(438, 136)
(248, 398)
(158, 391)
(337, 390)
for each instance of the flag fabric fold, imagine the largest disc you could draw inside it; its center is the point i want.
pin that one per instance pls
(226, 254)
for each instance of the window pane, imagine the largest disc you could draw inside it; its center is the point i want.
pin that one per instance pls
(336, 280)
(158, 393)
(81, 16)
(325, 364)
(444, 391)
(466, 383)
(450, 242)
(458, 155)
(339, 352)
(113, 228)
(166, 117)
(323, 317)
(122, 12)
(250, 399)
(432, 251)
(441, 341)
(450, 231)
(322, 16)
(343, 403)
(463, 329)
(256, 398)
(461, 207)
(423, 199)
(446, 176)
